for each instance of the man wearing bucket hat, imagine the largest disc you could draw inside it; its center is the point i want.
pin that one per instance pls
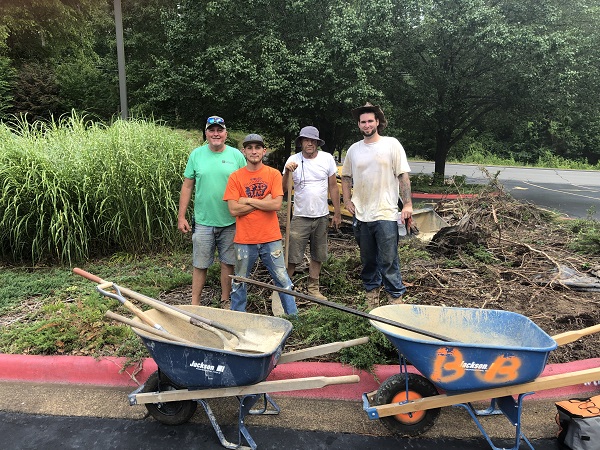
(314, 176)
(207, 171)
(254, 195)
(374, 177)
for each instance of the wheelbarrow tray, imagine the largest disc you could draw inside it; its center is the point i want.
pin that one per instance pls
(493, 348)
(208, 364)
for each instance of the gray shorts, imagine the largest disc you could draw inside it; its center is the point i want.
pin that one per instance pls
(304, 230)
(208, 239)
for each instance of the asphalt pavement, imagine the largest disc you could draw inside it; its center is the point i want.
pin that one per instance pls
(49, 416)
(92, 411)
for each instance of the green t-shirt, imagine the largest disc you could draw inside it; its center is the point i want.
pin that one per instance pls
(210, 172)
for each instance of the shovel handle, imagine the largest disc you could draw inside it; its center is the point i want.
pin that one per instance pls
(141, 326)
(344, 308)
(89, 276)
(156, 304)
(103, 285)
(130, 306)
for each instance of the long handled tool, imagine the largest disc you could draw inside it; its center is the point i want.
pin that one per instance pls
(130, 306)
(118, 296)
(141, 326)
(276, 305)
(346, 309)
(244, 344)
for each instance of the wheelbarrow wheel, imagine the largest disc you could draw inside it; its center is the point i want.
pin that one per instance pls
(394, 390)
(169, 413)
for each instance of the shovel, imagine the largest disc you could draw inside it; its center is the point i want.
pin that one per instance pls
(346, 309)
(141, 326)
(138, 312)
(243, 344)
(276, 305)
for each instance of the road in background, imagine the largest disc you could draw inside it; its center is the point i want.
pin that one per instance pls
(575, 193)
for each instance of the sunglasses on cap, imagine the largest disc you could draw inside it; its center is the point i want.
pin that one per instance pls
(215, 120)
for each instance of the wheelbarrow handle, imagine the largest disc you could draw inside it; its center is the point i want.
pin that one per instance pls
(571, 336)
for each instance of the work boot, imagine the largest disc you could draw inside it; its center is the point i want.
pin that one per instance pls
(313, 289)
(373, 298)
(391, 300)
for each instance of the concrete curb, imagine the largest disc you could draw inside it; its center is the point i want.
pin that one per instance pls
(109, 371)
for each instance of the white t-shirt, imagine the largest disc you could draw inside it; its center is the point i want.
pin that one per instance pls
(374, 169)
(311, 183)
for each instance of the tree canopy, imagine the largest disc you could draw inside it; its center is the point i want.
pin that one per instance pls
(520, 76)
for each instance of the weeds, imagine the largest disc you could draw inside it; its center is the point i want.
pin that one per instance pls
(321, 325)
(587, 237)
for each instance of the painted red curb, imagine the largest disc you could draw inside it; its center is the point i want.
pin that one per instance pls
(72, 369)
(108, 371)
(423, 195)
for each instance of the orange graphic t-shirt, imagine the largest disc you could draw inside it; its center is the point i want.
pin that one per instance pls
(257, 227)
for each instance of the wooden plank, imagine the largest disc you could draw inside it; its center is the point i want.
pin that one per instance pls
(539, 384)
(320, 350)
(265, 387)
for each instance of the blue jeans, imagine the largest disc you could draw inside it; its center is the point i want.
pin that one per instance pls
(378, 243)
(271, 255)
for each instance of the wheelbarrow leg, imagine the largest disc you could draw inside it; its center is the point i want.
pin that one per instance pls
(512, 411)
(267, 400)
(246, 404)
(224, 442)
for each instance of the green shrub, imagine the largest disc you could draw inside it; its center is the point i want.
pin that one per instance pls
(321, 325)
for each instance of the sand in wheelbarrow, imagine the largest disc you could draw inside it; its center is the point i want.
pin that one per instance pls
(263, 331)
(462, 325)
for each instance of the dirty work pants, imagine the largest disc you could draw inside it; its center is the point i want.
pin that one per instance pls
(271, 255)
(378, 243)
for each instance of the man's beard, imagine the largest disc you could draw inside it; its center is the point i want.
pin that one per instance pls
(365, 134)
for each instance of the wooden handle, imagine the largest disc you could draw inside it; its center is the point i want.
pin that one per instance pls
(570, 336)
(313, 352)
(141, 326)
(87, 275)
(290, 186)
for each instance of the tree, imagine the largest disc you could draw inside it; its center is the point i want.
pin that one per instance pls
(463, 59)
(47, 43)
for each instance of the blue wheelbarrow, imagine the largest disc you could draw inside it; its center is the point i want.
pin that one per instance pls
(463, 355)
(486, 354)
(205, 353)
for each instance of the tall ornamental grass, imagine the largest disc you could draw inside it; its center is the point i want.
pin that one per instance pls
(72, 188)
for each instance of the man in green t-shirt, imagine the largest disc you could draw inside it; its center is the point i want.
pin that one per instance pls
(207, 171)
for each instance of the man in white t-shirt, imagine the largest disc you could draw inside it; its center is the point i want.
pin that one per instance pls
(314, 176)
(374, 177)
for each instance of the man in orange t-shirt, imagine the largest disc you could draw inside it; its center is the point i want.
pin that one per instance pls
(254, 195)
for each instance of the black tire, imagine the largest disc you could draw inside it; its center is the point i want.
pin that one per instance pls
(393, 390)
(169, 413)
